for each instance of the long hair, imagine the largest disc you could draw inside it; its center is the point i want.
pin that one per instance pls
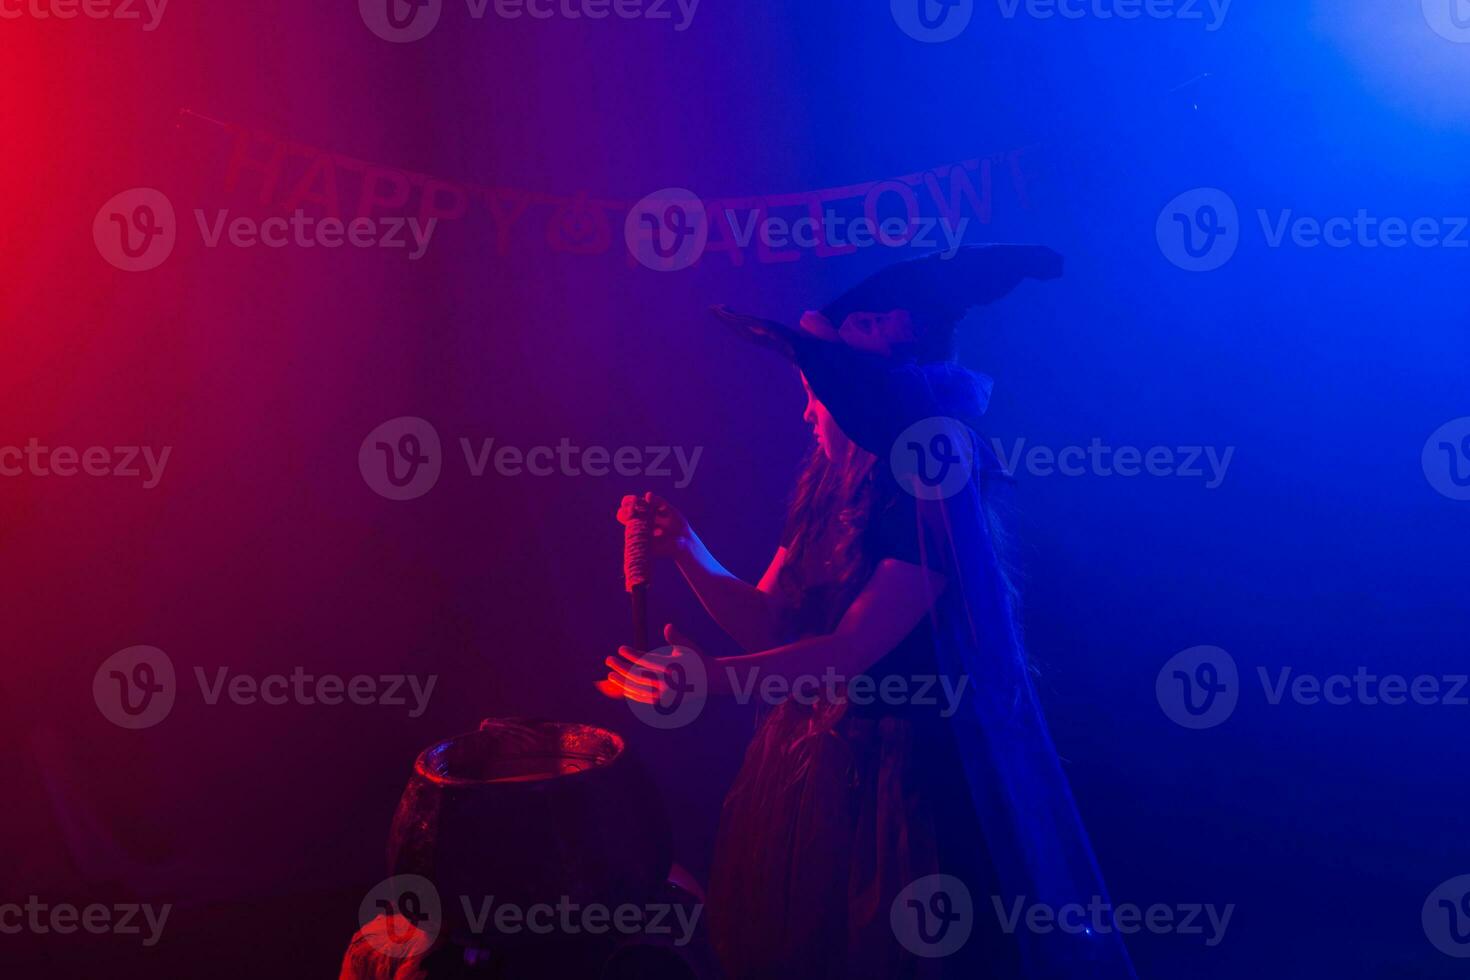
(827, 561)
(830, 554)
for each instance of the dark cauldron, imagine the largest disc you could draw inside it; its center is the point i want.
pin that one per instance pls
(531, 812)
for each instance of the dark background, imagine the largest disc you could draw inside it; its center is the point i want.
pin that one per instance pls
(263, 549)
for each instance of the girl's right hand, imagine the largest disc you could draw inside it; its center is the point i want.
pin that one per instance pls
(671, 532)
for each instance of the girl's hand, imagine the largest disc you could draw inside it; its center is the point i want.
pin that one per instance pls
(662, 676)
(671, 532)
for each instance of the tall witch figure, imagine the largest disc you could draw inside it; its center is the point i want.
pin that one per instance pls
(874, 832)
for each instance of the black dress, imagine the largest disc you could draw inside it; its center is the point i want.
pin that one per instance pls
(840, 806)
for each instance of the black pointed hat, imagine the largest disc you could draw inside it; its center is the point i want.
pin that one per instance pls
(875, 398)
(943, 287)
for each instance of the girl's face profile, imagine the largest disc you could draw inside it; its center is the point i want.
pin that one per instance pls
(830, 438)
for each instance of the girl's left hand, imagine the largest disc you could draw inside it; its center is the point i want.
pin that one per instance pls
(659, 676)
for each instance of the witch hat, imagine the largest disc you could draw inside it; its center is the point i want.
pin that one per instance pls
(875, 397)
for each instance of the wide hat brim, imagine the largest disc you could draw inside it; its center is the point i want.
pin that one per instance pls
(874, 398)
(944, 286)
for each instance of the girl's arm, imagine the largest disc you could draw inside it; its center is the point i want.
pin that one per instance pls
(749, 613)
(894, 601)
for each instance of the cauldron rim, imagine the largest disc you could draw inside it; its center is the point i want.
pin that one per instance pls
(422, 767)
